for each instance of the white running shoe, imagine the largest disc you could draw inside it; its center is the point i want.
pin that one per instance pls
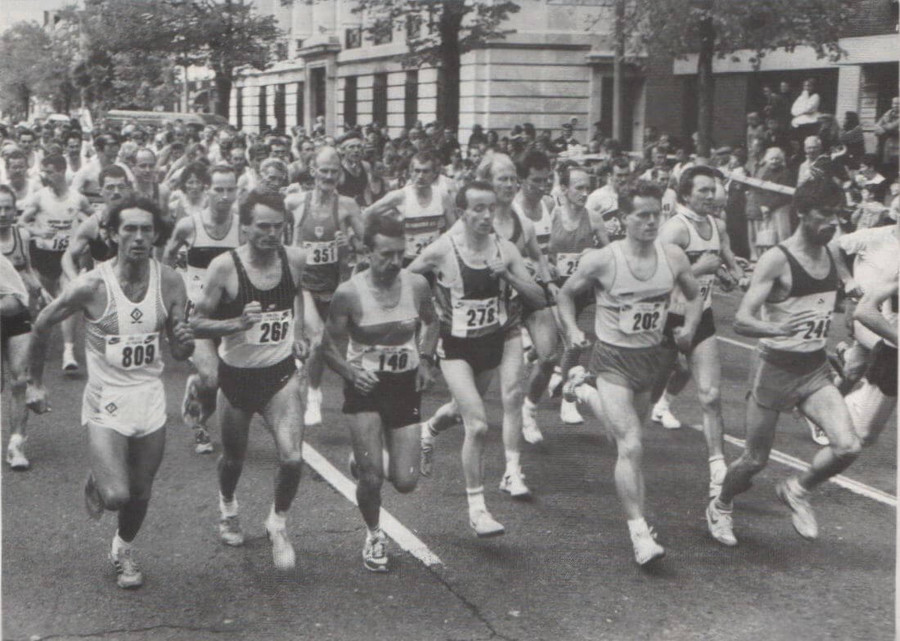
(313, 414)
(202, 442)
(530, 430)
(375, 558)
(662, 415)
(15, 455)
(484, 525)
(556, 380)
(797, 499)
(513, 483)
(282, 550)
(127, 569)
(569, 414)
(720, 524)
(230, 532)
(646, 549)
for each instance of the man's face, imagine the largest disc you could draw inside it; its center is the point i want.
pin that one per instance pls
(660, 159)
(643, 222)
(307, 151)
(812, 148)
(352, 149)
(222, 191)
(145, 167)
(618, 177)
(579, 187)
(7, 210)
(422, 174)
(328, 171)
(73, 147)
(479, 213)
(17, 168)
(111, 151)
(753, 120)
(784, 87)
(386, 256)
(662, 177)
(51, 176)
(506, 182)
(238, 159)
(280, 151)
(114, 190)
(274, 178)
(26, 142)
(702, 198)
(819, 225)
(538, 183)
(266, 231)
(135, 235)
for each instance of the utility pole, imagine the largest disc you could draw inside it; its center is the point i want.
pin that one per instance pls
(618, 56)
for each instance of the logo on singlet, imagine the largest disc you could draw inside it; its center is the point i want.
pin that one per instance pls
(136, 315)
(111, 408)
(319, 232)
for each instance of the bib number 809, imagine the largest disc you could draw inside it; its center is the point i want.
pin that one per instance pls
(138, 355)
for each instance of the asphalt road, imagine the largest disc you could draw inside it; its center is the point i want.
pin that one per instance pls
(564, 571)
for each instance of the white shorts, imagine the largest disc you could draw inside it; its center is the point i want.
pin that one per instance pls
(136, 410)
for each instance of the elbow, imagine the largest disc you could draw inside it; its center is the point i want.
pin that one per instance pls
(740, 326)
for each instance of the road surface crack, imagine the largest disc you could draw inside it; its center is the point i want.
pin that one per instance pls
(473, 608)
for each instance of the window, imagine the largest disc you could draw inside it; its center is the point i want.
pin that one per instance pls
(300, 105)
(379, 98)
(353, 38)
(317, 76)
(413, 26)
(299, 44)
(263, 107)
(279, 107)
(239, 107)
(411, 99)
(281, 50)
(349, 101)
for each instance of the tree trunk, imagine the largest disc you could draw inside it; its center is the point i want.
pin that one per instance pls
(705, 85)
(618, 98)
(449, 26)
(223, 93)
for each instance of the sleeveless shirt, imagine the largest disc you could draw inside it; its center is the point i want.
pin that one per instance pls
(317, 236)
(16, 253)
(565, 247)
(203, 249)
(697, 246)
(422, 225)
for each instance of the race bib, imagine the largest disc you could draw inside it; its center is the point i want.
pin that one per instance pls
(272, 329)
(642, 317)
(132, 351)
(390, 358)
(57, 243)
(816, 329)
(415, 243)
(321, 253)
(567, 263)
(473, 315)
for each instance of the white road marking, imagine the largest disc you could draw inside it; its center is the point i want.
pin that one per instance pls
(391, 526)
(786, 459)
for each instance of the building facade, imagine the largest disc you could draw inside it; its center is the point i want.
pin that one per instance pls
(555, 65)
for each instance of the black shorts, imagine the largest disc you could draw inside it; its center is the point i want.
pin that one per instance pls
(706, 328)
(882, 372)
(46, 262)
(15, 325)
(482, 353)
(251, 388)
(394, 399)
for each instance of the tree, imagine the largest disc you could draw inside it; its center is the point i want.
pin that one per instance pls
(28, 68)
(720, 28)
(438, 33)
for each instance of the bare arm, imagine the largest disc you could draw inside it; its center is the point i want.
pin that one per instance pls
(689, 286)
(514, 272)
(178, 331)
(868, 311)
(598, 225)
(78, 246)
(727, 255)
(297, 258)
(590, 270)
(389, 201)
(181, 236)
(221, 269)
(339, 315)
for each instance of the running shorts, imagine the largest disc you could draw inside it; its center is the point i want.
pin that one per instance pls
(636, 368)
(394, 399)
(780, 380)
(706, 328)
(15, 325)
(251, 388)
(132, 411)
(46, 262)
(482, 353)
(882, 372)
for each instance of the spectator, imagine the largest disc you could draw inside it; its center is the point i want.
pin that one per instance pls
(870, 212)
(829, 132)
(776, 135)
(812, 150)
(886, 130)
(567, 139)
(869, 178)
(755, 128)
(736, 201)
(477, 137)
(805, 111)
(768, 215)
(776, 107)
(852, 138)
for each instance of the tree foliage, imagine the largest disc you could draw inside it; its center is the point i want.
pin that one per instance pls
(31, 66)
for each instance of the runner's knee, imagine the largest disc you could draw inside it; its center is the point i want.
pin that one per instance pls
(476, 427)
(115, 496)
(846, 446)
(710, 398)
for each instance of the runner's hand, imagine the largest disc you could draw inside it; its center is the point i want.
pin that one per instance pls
(183, 334)
(797, 323)
(852, 288)
(251, 314)
(425, 376)
(578, 339)
(341, 239)
(683, 339)
(708, 263)
(36, 399)
(302, 348)
(364, 381)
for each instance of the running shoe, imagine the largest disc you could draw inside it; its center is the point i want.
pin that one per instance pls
(127, 569)
(93, 502)
(352, 468)
(662, 415)
(720, 524)
(426, 460)
(513, 483)
(530, 430)
(282, 550)
(577, 376)
(15, 456)
(313, 414)
(190, 406)
(797, 499)
(202, 442)
(646, 549)
(569, 414)
(374, 553)
(484, 525)
(230, 532)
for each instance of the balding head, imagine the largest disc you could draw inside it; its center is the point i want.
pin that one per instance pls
(328, 169)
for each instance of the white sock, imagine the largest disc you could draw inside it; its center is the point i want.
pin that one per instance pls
(716, 464)
(69, 347)
(475, 496)
(662, 404)
(529, 404)
(638, 526)
(512, 462)
(118, 544)
(276, 521)
(16, 440)
(227, 508)
(373, 532)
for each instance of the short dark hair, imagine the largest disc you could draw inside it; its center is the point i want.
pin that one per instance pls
(384, 224)
(686, 182)
(57, 161)
(265, 197)
(819, 192)
(16, 154)
(258, 150)
(6, 189)
(427, 156)
(100, 142)
(462, 198)
(222, 168)
(533, 159)
(196, 170)
(113, 171)
(565, 172)
(136, 202)
(637, 189)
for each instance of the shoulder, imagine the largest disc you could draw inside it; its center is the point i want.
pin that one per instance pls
(345, 297)
(674, 230)
(169, 278)
(347, 204)
(419, 284)
(772, 263)
(221, 266)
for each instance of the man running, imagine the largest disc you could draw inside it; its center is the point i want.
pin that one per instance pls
(206, 235)
(321, 220)
(146, 183)
(380, 312)
(704, 239)
(128, 302)
(252, 301)
(22, 184)
(788, 307)
(51, 216)
(631, 279)
(475, 272)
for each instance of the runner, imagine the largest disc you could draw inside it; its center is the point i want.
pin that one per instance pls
(206, 235)
(87, 180)
(381, 311)
(533, 204)
(51, 216)
(146, 183)
(128, 302)
(252, 292)
(789, 307)
(321, 220)
(475, 272)
(704, 239)
(425, 212)
(574, 230)
(22, 184)
(632, 279)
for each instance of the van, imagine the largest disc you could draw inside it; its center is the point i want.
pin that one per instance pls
(120, 117)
